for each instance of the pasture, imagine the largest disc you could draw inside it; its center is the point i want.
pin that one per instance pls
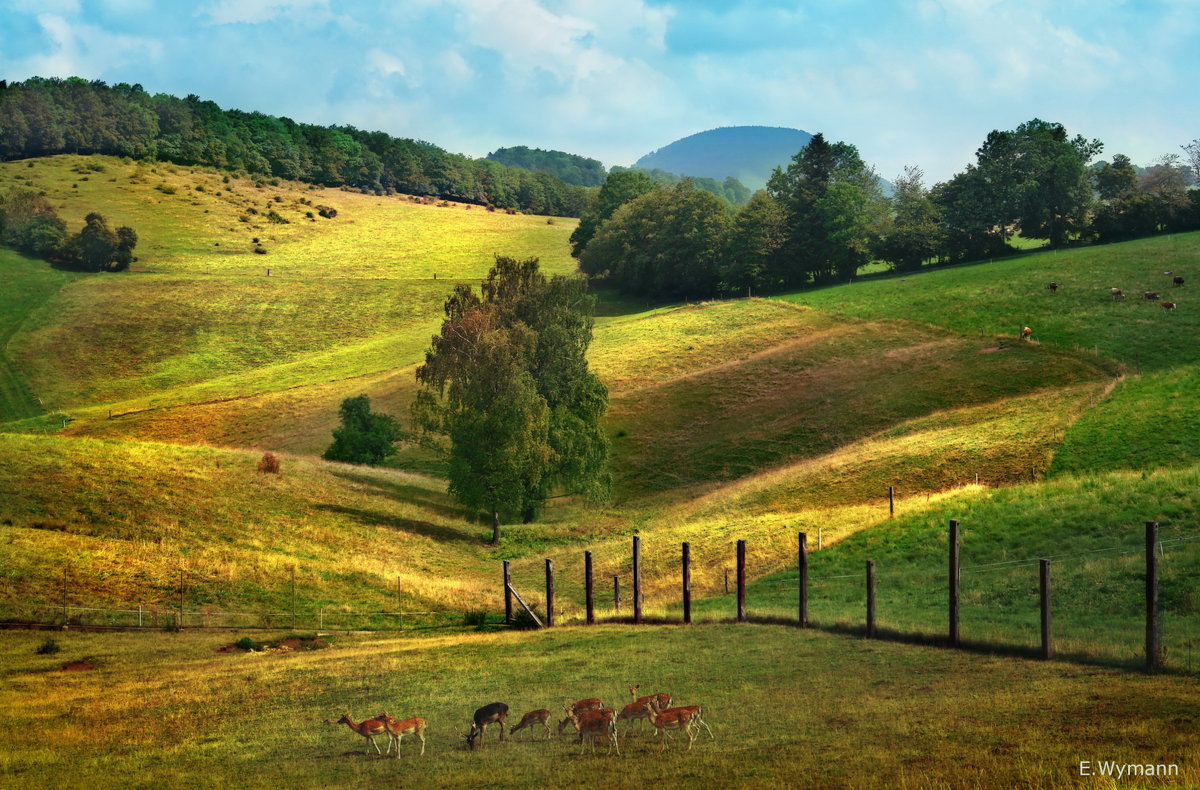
(786, 707)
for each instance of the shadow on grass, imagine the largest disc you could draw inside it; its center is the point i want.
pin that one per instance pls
(406, 493)
(434, 531)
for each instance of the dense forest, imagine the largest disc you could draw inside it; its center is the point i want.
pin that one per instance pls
(825, 216)
(729, 188)
(573, 169)
(41, 117)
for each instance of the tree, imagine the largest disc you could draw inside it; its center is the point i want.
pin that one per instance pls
(506, 393)
(363, 437)
(619, 188)
(915, 234)
(95, 246)
(752, 260)
(666, 243)
(30, 224)
(127, 239)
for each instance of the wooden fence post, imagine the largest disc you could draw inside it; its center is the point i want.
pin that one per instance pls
(1047, 643)
(870, 599)
(66, 605)
(508, 600)
(741, 581)
(727, 581)
(588, 590)
(181, 597)
(802, 556)
(637, 580)
(1153, 635)
(687, 583)
(293, 596)
(891, 501)
(549, 593)
(617, 594)
(953, 574)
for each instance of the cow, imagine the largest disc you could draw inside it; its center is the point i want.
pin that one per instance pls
(1151, 296)
(1117, 293)
(1168, 306)
(1053, 287)
(1178, 281)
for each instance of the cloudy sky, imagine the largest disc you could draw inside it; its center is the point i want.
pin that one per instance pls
(918, 82)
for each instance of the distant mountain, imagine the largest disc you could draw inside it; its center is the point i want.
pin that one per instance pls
(748, 153)
(573, 169)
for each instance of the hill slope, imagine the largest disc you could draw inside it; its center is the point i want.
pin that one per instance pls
(748, 153)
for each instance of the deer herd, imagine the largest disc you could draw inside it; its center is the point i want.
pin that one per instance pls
(588, 717)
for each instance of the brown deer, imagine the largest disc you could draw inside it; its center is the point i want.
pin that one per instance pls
(396, 730)
(672, 719)
(493, 713)
(636, 710)
(697, 720)
(579, 707)
(540, 716)
(367, 728)
(593, 724)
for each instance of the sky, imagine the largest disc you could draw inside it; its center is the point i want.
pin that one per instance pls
(909, 83)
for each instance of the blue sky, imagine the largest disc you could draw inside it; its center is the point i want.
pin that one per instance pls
(918, 83)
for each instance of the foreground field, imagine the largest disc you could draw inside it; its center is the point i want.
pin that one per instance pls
(788, 709)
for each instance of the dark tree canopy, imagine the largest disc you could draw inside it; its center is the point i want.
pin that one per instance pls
(363, 436)
(618, 189)
(572, 169)
(506, 393)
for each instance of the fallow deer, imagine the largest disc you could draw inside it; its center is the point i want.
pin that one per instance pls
(697, 718)
(579, 707)
(398, 729)
(493, 713)
(368, 728)
(672, 719)
(540, 716)
(593, 724)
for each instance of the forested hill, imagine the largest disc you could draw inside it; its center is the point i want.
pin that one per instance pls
(43, 117)
(748, 153)
(571, 168)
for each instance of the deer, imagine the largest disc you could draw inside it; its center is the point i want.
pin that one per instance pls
(396, 730)
(593, 724)
(672, 719)
(1117, 293)
(540, 716)
(492, 713)
(697, 719)
(579, 707)
(1168, 306)
(636, 710)
(368, 728)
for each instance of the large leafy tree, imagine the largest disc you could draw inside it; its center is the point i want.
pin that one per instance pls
(915, 233)
(753, 260)
(506, 393)
(668, 242)
(618, 189)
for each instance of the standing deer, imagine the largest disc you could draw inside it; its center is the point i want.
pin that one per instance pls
(493, 713)
(540, 716)
(636, 710)
(396, 730)
(367, 728)
(593, 724)
(697, 717)
(579, 707)
(673, 719)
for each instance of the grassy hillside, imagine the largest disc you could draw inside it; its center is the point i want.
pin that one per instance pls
(836, 711)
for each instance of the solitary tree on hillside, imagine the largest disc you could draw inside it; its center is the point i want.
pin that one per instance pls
(506, 394)
(363, 437)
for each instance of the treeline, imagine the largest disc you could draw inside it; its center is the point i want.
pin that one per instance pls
(42, 117)
(824, 216)
(732, 190)
(29, 223)
(571, 168)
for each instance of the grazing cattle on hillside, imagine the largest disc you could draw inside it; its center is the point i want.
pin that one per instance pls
(1151, 296)
(1167, 305)
(1178, 281)
(1053, 287)
(1117, 293)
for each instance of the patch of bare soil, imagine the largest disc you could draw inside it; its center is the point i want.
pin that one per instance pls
(82, 665)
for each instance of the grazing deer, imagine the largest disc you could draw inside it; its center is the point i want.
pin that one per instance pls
(593, 724)
(697, 718)
(493, 713)
(1053, 287)
(579, 707)
(672, 719)
(367, 728)
(636, 710)
(1151, 296)
(1117, 293)
(396, 730)
(531, 718)
(1167, 305)
(1178, 281)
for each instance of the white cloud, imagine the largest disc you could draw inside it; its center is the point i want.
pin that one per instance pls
(84, 50)
(225, 12)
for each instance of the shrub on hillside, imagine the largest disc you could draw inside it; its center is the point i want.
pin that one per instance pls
(364, 437)
(269, 464)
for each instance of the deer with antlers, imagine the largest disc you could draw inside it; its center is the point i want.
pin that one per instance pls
(493, 713)
(540, 716)
(396, 730)
(368, 728)
(593, 724)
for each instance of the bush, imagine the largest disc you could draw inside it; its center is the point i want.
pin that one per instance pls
(522, 621)
(49, 647)
(269, 464)
(476, 618)
(328, 212)
(166, 189)
(276, 218)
